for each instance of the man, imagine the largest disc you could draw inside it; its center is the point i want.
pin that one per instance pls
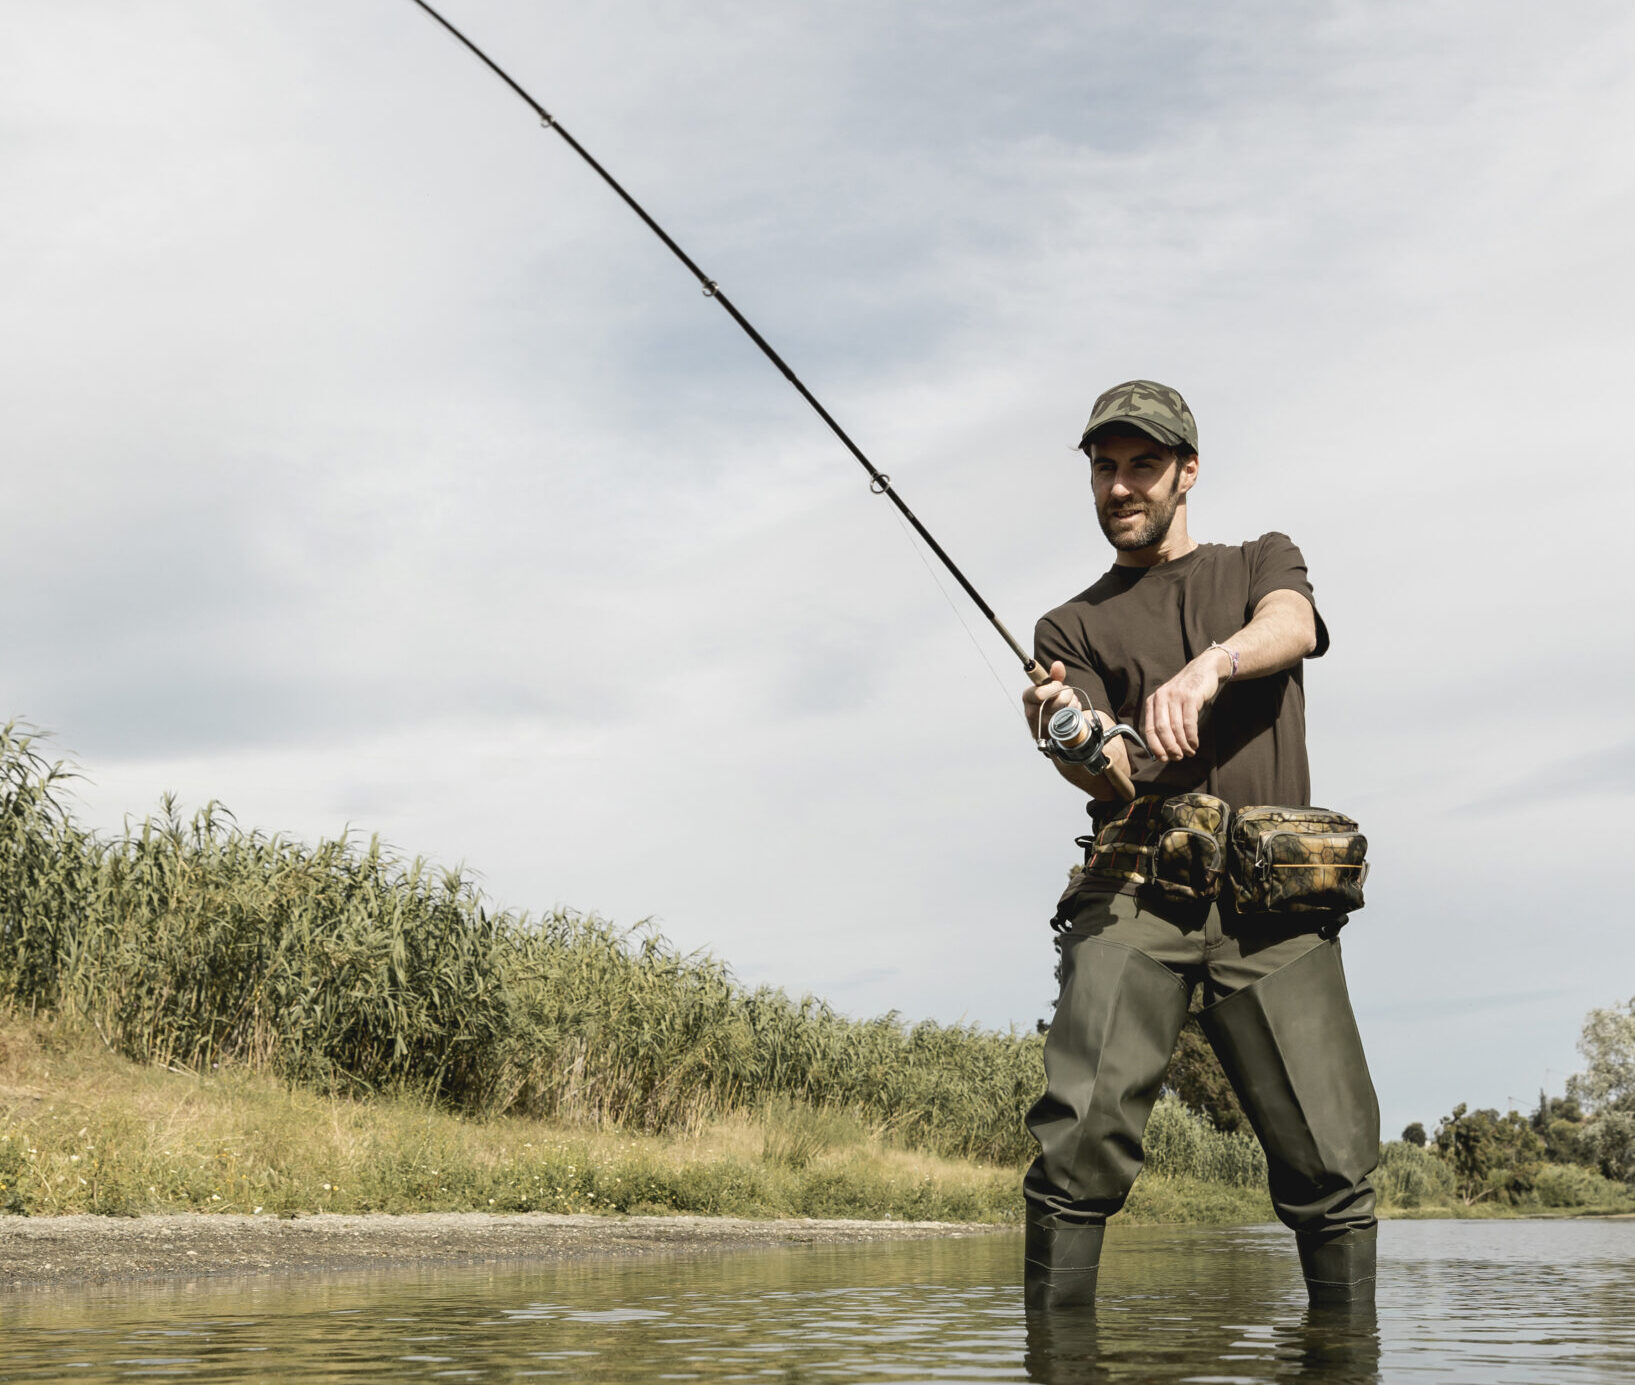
(1202, 645)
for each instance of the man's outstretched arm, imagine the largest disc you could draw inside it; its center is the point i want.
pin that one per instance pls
(1282, 631)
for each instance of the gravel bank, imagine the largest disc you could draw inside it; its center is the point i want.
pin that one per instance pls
(83, 1249)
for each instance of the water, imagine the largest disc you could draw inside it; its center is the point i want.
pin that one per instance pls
(1459, 1301)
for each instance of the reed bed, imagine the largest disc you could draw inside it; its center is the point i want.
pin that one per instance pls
(514, 1062)
(196, 944)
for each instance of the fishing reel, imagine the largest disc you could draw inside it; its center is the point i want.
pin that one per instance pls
(1076, 739)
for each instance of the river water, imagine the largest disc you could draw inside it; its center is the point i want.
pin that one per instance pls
(1458, 1301)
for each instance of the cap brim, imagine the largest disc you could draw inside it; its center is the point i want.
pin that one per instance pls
(1156, 431)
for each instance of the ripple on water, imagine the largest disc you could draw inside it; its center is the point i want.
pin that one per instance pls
(1459, 1301)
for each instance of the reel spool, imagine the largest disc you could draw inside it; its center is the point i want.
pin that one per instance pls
(1076, 739)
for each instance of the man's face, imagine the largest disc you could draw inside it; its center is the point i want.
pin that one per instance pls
(1138, 486)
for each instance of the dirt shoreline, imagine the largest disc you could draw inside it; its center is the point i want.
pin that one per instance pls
(36, 1251)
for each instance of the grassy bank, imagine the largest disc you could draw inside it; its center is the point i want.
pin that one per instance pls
(197, 1016)
(85, 1130)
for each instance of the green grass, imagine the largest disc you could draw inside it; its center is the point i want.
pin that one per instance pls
(84, 1130)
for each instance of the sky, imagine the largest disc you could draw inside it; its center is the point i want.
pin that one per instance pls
(369, 467)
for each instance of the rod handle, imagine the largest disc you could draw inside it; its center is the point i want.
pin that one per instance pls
(1037, 672)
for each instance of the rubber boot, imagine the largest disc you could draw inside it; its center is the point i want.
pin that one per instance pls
(1290, 1046)
(1339, 1269)
(1062, 1259)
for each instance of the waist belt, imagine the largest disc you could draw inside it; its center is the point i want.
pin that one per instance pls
(1194, 846)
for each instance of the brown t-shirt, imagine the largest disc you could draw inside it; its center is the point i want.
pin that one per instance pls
(1136, 628)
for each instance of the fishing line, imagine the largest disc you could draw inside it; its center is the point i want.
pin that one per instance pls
(1084, 738)
(1005, 690)
(879, 481)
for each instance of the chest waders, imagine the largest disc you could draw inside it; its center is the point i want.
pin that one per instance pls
(1279, 1018)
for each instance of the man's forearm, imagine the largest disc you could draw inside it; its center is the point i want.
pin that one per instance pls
(1282, 631)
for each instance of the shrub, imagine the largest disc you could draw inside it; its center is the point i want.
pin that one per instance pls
(1572, 1185)
(1490, 1155)
(1411, 1176)
(1181, 1143)
(1195, 1075)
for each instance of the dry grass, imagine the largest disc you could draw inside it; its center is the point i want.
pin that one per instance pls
(84, 1130)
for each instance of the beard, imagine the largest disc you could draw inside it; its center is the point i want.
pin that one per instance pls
(1155, 514)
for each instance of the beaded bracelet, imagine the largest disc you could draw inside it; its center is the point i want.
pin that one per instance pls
(1231, 654)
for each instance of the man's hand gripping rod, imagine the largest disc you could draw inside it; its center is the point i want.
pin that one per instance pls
(1076, 739)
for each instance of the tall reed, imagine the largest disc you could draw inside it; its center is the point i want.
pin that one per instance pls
(193, 942)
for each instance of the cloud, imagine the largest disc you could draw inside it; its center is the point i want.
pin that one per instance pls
(1428, 1010)
(369, 460)
(1594, 774)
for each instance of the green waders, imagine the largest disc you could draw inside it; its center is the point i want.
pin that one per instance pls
(1279, 1018)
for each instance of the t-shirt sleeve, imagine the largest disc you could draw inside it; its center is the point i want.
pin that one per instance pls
(1277, 565)
(1051, 642)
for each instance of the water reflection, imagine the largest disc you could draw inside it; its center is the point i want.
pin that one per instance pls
(1459, 1301)
(1087, 1347)
(1176, 1299)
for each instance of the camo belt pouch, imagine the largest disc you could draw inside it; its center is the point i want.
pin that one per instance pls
(1296, 860)
(1173, 845)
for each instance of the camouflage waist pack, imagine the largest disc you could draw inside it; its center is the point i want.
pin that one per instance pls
(1190, 846)
(1174, 845)
(1296, 860)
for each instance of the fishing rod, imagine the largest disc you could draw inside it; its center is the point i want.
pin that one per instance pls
(1070, 735)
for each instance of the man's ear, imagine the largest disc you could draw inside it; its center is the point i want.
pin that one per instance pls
(1187, 476)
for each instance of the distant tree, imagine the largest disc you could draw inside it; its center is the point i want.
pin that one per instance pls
(1608, 1046)
(1610, 1140)
(1559, 1123)
(1607, 1089)
(1491, 1155)
(1414, 1134)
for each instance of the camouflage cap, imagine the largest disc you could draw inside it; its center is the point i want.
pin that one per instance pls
(1157, 410)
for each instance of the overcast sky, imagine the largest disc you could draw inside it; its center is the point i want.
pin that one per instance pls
(367, 463)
